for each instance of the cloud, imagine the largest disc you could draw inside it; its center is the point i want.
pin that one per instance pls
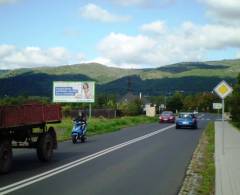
(145, 3)
(238, 54)
(121, 49)
(131, 2)
(154, 27)
(71, 33)
(12, 57)
(224, 11)
(187, 42)
(6, 50)
(96, 13)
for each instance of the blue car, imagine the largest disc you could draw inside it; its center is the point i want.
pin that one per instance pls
(186, 120)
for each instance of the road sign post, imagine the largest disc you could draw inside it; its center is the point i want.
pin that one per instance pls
(218, 107)
(223, 126)
(223, 90)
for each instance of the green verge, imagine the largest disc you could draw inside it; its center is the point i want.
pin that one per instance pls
(207, 169)
(236, 124)
(101, 125)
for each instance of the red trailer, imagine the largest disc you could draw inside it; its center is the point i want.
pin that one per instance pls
(25, 126)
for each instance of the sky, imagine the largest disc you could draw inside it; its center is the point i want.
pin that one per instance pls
(119, 33)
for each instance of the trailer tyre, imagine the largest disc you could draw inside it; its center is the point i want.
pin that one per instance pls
(45, 147)
(54, 136)
(5, 156)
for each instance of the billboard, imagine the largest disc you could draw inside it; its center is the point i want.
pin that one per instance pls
(66, 91)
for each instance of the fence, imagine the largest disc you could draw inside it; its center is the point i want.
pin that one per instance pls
(106, 113)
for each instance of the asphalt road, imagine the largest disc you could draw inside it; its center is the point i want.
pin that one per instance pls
(146, 159)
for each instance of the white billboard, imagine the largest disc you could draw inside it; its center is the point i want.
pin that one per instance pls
(66, 91)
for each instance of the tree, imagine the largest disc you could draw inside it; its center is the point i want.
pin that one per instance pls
(131, 108)
(105, 101)
(175, 102)
(190, 103)
(234, 102)
(205, 101)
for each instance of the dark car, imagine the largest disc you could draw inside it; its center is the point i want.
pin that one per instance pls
(167, 117)
(186, 120)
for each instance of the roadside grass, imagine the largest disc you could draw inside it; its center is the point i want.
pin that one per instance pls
(101, 125)
(236, 124)
(200, 175)
(207, 170)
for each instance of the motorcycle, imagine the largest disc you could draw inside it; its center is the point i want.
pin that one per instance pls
(79, 131)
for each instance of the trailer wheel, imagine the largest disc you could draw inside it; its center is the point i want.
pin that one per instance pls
(5, 156)
(45, 147)
(54, 136)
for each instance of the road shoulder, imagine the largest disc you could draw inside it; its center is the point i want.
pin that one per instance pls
(227, 159)
(199, 177)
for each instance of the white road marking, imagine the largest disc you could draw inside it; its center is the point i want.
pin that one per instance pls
(26, 182)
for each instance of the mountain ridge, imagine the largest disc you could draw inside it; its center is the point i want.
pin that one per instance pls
(151, 81)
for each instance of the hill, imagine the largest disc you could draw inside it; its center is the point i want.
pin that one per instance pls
(190, 77)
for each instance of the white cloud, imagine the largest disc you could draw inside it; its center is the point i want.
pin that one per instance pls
(188, 42)
(238, 54)
(71, 33)
(224, 11)
(12, 57)
(154, 27)
(6, 50)
(94, 12)
(144, 3)
(131, 2)
(121, 49)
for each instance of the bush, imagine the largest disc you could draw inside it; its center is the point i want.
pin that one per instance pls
(131, 108)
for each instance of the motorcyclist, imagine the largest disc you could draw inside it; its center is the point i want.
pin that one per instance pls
(81, 117)
(79, 127)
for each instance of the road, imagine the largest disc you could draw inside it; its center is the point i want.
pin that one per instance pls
(146, 159)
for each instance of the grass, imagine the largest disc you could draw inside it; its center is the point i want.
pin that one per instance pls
(101, 125)
(207, 169)
(236, 124)
(200, 176)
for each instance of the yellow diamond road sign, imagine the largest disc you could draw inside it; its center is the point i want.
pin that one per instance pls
(223, 89)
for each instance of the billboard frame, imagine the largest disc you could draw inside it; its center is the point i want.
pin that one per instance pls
(94, 98)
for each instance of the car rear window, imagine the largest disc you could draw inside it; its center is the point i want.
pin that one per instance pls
(183, 115)
(167, 113)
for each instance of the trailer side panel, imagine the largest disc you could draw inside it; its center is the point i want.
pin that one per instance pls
(30, 114)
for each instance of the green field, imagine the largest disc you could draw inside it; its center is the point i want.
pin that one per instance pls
(101, 125)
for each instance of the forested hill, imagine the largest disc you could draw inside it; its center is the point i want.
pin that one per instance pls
(188, 77)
